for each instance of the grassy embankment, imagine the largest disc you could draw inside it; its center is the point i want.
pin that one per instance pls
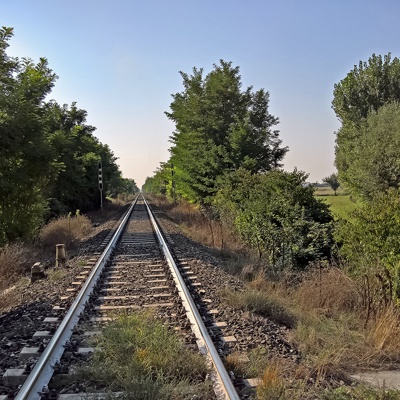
(324, 309)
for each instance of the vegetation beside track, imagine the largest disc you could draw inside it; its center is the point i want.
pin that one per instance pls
(255, 210)
(338, 326)
(50, 160)
(17, 259)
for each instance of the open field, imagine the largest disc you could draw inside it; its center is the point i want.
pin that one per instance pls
(327, 191)
(341, 205)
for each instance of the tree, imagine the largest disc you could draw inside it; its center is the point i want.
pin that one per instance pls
(78, 153)
(26, 155)
(366, 88)
(48, 155)
(220, 128)
(332, 181)
(374, 154)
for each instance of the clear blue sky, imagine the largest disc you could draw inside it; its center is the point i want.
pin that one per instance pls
(119, 60)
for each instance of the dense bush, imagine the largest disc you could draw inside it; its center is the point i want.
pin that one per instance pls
(278, 215)
(370, 240)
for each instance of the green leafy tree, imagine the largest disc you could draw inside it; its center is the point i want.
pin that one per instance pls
(26, 155)
(160, 182)
(375, 160)
(366, 88)
(219, 128)
(130, 186)
(333, 181)
(48, 155)
(78, 154)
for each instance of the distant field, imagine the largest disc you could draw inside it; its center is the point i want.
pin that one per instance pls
(327, 191)
(341, 205)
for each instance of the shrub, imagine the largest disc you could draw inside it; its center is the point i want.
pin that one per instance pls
(65, 230)
(272, 385)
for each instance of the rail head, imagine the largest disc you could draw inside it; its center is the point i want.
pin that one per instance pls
(44, 367)
(223, 376)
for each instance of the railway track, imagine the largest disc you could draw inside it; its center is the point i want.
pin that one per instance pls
(136, 270)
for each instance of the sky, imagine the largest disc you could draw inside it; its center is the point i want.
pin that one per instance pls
(120, 61)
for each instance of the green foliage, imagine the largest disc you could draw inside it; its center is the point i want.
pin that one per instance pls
(367, 133)
(278, 215)
(367, 87)
(368, 155)
(161, 182)
(78, 154)
(219, 128)
(26, 155)
(368, 161)
(370, 239)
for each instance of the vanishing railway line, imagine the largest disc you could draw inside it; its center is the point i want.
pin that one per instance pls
(136, 270)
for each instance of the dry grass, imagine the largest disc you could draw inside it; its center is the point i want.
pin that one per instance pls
(272, 384)
(15, 260)
(236, 363)
(329, 292)
(331, 347)
(332, 332)
(198, 226)
(111, 210)
(9, 298)
(327, 312)
(384, 332)
(67, 230)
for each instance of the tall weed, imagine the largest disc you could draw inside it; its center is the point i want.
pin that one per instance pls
(15, 260)
(66, 230)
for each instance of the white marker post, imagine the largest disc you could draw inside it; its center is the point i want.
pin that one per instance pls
(101, 184)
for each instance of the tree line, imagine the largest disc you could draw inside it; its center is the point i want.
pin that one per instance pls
(49, 155)
(226, 157)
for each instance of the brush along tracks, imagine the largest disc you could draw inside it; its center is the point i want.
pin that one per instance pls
(131, 274)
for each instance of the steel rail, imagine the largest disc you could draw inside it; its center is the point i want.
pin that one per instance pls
(222, 374)
(43, 370)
